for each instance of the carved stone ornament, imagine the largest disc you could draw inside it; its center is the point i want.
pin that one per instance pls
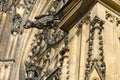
(16, 24)
(95, 60)
(47, 66)
(5, 5)
(29, 5)
(12, 7)
(43, 63)
(42, 22)
(18, 17)
(117, 21)
(57, 5)
(50, 34)
(112, 18)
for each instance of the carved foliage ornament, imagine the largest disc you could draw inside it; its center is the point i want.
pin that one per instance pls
(27, 7)
(49, 35)
(46, 39)
(41, 68)
(12, 7)
(112, 18)
(95, 61)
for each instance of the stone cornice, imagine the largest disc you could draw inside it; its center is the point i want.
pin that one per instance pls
(70, 15)
(113, 5)
(76, 12)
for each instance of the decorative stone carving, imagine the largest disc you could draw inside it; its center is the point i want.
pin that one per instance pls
(110, 17)
(95, 60)
(5, 5)
(32, 71)
(29, 5)
(46, 39)
(26, 6)
(16, 24)
(57, 5)
(82, 21)
(40, 69)
(117, 21)
(42, 22)
(50, 34)
(47, 63)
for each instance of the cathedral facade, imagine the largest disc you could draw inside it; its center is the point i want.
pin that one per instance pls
(59, 39)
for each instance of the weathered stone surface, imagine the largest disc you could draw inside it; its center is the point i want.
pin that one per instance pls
(80, 40)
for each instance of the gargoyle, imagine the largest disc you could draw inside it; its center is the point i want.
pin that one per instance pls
(42, 22)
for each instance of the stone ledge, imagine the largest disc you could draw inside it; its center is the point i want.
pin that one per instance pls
(79, 9)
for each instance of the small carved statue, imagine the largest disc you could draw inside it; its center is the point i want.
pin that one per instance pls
(16, 24)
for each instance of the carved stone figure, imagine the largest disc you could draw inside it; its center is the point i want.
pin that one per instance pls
(42, 22)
